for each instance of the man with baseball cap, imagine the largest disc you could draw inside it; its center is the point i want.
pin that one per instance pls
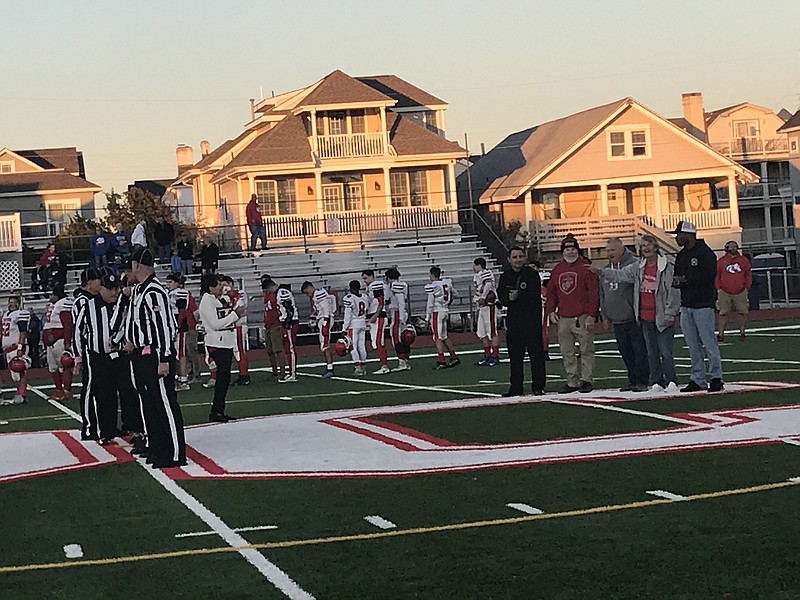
(734, 278)
(90, 287)
(695, 272)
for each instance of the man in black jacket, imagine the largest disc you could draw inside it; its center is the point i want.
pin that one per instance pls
(164, 234)
(695, 272)
(520, 291)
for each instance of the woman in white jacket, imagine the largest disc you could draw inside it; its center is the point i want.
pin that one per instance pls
(219, 320)
(656, 305)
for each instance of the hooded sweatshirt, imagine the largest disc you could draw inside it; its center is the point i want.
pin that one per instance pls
(617, 297)
(572, 290)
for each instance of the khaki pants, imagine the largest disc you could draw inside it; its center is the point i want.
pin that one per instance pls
(572, 330)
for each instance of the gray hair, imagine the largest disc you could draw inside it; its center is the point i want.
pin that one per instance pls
(647, 237)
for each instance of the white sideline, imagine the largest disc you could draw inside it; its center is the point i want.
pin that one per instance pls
(525, 508)
(236, 529)
(667, 495)
(379, 522)
(274, 575)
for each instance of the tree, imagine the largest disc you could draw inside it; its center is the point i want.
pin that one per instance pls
(136, 205)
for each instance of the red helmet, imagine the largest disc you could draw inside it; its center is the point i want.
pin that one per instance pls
(343, 346)
(491, 298)
(17, 364)
(408, 335)
(67, 361)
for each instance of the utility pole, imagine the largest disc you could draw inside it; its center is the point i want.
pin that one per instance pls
(469, 184)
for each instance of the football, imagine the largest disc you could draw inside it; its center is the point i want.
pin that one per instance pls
(67, 361)
(342, 346)
(408, 335)
(17, 364)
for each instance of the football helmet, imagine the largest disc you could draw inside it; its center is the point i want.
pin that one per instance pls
(17, 364)
(67, 361)
(408, 335)
(343, 346)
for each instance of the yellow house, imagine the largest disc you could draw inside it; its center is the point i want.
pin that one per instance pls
(343, 160)
(46, 187)
(614, 170)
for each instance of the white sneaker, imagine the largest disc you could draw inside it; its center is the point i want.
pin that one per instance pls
(6, 402)
(288, 378)
(672, 388)
(359, 371)
(18, 399)
(210, 383)
(656, 389)
(402, 366)
(182, 387)
(382, 371)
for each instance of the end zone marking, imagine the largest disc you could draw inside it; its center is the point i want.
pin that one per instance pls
(73, 551)
(667, 495)
(237, 529)
(526, 508)
(379, 522)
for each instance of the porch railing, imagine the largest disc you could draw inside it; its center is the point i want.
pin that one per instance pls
(10, 234)
(350, 145)
(709, 219)
(751, 146)
(755, 191)
(768, 235)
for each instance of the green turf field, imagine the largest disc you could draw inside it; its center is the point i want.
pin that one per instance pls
(721, 522)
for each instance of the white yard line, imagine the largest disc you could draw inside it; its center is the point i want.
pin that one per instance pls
(667, 495)
(379, 522)
(405, 385)
(629, 411)
(525, 508)
(274, 575)
(236, 529)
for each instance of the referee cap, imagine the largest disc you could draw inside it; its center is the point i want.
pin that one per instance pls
(110, 280)
(90, 274)
(144, 257)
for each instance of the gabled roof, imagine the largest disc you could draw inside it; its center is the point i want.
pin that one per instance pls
(69, 159)
(792, 123)
(43, 181)
(409, 138)
(220, 151)
(339, 88)
(522, 155)
(406, 94)
(784, 115)
(715, 114)
(286, 143)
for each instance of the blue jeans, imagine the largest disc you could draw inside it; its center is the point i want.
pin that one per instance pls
(659, 353)
(257, 232)
(633, 350)
(697, 325)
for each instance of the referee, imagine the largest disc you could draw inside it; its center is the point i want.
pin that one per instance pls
(90, 288)
(151, 330)
(520, 290)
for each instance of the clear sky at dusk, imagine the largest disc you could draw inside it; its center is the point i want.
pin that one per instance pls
(127, 81)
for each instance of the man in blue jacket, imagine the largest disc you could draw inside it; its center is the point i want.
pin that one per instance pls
(100, 246)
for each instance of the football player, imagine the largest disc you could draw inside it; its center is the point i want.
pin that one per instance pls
(485, 299)
(57, 337)
(440, 297)
(15, 348)
(376, 315)
(398, 312)
(355, 324)
(323, 307)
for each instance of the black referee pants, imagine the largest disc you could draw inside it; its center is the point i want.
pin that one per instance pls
(520, 340)
(105, 392)
(162, 414)
(129, 402)
(90, 429)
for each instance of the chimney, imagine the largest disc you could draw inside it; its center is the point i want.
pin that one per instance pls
(252, 109)
(204, 148)
(184, 156)
(694, 114)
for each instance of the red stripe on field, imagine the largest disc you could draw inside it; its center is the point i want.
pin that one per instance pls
(372, 435)
(120, 454)
(203, 461)
(406, 431)
(75, 448)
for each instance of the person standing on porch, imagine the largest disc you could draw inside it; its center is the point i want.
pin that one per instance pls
(255, 222)
(734, 279)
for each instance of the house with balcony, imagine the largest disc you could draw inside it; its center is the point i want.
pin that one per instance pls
(791, 129)
(752, 136)
(46, 187)
(342, 161)
(614, 170)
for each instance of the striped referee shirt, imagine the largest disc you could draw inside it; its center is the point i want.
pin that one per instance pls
(98, 326)
(151, 321)
(80, 319)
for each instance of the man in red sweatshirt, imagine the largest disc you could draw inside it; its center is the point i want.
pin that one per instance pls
(733, 281)
(255, 222)
(573, 299)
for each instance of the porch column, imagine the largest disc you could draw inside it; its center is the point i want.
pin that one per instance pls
(528, 210)
(603, 200)
(387, 190)
(768, 223)
(385, 131)
(252, 181)
(314, 144)
(658, 217)
(733, 201)
(318, 190)
(451, 183)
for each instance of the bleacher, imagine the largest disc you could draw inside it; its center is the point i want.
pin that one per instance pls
(334, 269)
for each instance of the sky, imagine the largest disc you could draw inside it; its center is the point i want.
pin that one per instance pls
(126, 82)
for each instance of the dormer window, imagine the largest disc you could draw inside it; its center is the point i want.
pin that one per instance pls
(628, 142)
(6, 167)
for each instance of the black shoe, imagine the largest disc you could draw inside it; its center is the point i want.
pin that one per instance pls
(243, 380)
(167, 464)
(626, 388)
(454, 362)
(106, 441)
(693, 387)
(510, 394)
(219, 418)
(439, 366)
(586, 387)
(716, 385)
(568, 389)
(638, 387)
(538, 392)
(90, 438)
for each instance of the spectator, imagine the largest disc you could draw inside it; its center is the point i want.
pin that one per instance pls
(121, 243)
(100, 246)
(572, 304)
(176, 264)
(255, 222)
(695, 270)
(618, 307)
(164, 234)
(209, 257)
(185, 251)
(43, 277)
(733, 282)
(656, 304)
(139, 237)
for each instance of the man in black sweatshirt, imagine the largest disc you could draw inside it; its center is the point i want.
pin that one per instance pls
(695, 272)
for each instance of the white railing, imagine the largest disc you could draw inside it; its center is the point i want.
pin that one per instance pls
(753, 191)
(707, 219)
(591, 231)
(751, 146)
(290, 226)
(10, 233)
(354, 221)
(423, 218)
(350, 145)
(768, 236)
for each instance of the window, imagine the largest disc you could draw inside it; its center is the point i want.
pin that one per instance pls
(6, 167)
(59, 214)
(793, 146)
(357, 121)
(277, 197)
(337, 124)
(745, 129)
(629, 142)
(409, 188)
